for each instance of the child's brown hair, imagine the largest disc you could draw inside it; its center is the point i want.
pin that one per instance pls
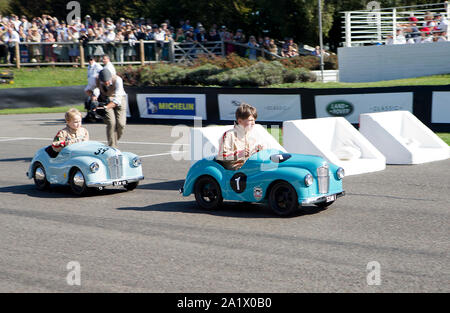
(245, 110)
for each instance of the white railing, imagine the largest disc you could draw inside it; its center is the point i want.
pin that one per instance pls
(375, 25)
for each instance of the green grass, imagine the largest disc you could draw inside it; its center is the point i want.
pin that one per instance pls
(73, 76)
(41, 110)
(419, 81)
(445, 137)
(47, 77)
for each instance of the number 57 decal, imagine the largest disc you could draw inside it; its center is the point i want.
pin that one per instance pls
(101, 151)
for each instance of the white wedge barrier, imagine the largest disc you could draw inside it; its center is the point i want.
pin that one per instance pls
(336, 140)
(402, 138)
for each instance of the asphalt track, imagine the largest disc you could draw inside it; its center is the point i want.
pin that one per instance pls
(154, 240)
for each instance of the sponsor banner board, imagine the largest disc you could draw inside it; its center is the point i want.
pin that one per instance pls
(172, 106)
(351, 106)
(270, 108)
(440, 111)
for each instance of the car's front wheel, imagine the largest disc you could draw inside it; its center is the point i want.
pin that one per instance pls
(131, 186)
(283, 198)
(40, 177)
(77, 182)
(208, 193)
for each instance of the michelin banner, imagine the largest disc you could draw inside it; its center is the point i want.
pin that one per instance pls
(270, 108)
(351, 106)
(440, 112)
(172, 106)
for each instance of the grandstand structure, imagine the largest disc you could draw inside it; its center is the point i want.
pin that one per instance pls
(375, 25)
(371, 51)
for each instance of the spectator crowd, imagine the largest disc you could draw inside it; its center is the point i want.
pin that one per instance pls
(433, 28)
(118, 39)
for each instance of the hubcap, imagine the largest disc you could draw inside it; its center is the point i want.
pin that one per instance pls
(78, 179)
(39, 175)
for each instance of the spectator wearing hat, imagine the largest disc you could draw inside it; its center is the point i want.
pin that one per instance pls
(93, 70)
(108, 89)
(222, 31)
(201, 35)
(239, 37)
(426, 36)
(411, 31)
(149, 48)
(34, 50)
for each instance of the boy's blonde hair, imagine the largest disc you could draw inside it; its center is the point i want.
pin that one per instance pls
(71, 114)
(245, 110)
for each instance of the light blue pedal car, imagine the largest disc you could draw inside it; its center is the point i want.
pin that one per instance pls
(85, 165)
(283, 180)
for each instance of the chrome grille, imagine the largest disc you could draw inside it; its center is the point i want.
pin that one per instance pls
(115, 166)
(323, 178)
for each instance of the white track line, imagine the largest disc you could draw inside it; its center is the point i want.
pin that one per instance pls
(159, 154)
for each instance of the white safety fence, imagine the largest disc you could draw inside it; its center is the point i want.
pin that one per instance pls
(377, 25)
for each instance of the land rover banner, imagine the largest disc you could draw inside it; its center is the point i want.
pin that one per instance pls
(440, 112)
(271, 108)
(351, 106)
(171, 106)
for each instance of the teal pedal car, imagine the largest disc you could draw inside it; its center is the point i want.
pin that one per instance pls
(85, 165)
(283, 180)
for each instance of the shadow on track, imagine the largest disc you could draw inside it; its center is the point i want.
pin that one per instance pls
(228, 209)
(55, 191)
(167, 185)
(27, 160)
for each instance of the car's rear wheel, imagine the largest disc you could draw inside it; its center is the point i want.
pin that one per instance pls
(77, 182)
(283, 198)
(131, 186)
(208, 193)
(40, 177)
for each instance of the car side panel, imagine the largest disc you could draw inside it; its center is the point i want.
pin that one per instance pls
(258, 183)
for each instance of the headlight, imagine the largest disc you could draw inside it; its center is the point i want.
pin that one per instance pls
(94, 167)
(136, 162)
(340, 173)
(308, 180)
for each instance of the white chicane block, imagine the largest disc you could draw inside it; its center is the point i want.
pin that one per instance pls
(334, 139)
(402, 138)
(204, 141)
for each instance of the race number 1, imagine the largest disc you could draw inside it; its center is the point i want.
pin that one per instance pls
(238, 182)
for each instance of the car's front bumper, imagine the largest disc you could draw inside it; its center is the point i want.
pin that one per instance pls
(324, 198)
(116, 182)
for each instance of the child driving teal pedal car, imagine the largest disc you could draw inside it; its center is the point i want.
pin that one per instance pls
(239, 143)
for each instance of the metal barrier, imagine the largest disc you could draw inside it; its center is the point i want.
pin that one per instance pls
(121, 53)
(374, 26)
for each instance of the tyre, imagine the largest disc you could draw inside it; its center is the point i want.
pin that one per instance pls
(283, 198)
(40, 177)
(208, 193)
(77, 182)
(131, 186)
